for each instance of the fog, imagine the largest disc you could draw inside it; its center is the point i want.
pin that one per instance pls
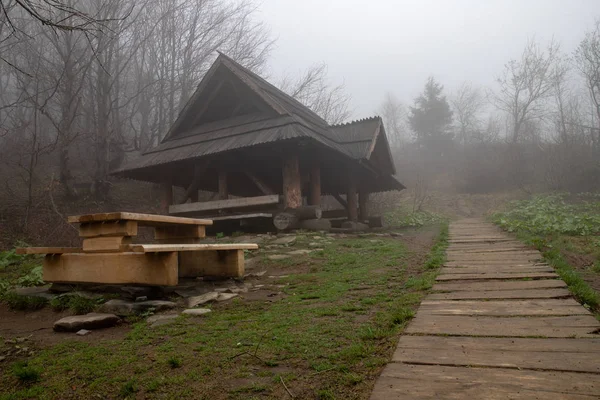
(393, 46)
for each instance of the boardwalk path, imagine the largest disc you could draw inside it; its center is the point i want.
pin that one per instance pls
(500, 324)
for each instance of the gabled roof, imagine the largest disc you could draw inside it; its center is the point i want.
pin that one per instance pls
(272, 116)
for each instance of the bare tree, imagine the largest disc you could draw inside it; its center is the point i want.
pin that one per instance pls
(526, 84)
(587, 59)
(467, 103)
(394, 117)
(313, 89)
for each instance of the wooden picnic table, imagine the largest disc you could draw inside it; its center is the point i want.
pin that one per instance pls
(109, 256)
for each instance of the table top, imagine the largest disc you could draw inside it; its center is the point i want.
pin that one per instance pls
(142, 219)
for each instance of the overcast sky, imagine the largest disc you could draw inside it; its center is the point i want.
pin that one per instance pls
(379, 46)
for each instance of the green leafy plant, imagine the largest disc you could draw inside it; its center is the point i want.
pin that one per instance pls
(415, 219)
(33, 278)
(26, 303)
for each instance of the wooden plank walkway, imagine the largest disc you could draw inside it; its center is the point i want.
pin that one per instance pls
(500, 324)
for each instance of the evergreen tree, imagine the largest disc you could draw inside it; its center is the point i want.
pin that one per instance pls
(431, 117)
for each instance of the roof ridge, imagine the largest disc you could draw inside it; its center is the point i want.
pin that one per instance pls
(357, 121)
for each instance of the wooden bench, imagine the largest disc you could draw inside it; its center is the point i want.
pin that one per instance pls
(108, 256)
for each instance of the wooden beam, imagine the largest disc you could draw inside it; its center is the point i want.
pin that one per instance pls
(105, 244)
(351, 199)
(315, 185)
(262, 186)
(112, 268)
(208, 206)
(192, 190)
(223, 190)
(292, 185)
(340, 200)
(110, 228)
(161, 248)
(363, 205)
(166, 198)
(179, 232)
(222, 263)
(141, 219)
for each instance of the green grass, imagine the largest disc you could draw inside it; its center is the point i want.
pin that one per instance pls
(331, 334)
(78, 305)
(24, 303)
(558, 224)
(24, 373)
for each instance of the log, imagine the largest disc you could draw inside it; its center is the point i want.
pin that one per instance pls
(208, 206)
(339, 213)
(290, 218)
(292, 185)
(342, 202)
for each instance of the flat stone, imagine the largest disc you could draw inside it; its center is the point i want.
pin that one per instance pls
(89, 321)
(277, 257)
(250, 263)
(313, 244)
(124, 307)
(202, 299)
(35, 291)
(164, 319)
(256, 274)
(286, 240)
(226, 296)
(141, 298)
(196, 311)
(300, 252)
(83, 332)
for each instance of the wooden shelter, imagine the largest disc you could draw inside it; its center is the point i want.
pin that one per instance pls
(258, 149)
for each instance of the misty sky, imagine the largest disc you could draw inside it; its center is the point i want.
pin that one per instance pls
(376, 46)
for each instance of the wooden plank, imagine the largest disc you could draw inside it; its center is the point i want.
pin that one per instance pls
(524, 275)
(504, 308)
(142, 219)
(242, 216)
(502, 294)
(109, 228)
(105, 244)
(223, 204)
(426, 382)
(157, 248)
(47, 250)
(517, 353)
(222, 263)
(112, 268)
(570, 326)
(492, 269)
(179, 232)
(500, 285)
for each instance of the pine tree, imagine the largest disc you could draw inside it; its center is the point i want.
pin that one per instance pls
(431, 117)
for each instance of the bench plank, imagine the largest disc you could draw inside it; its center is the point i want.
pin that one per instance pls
(158, 248)
(48, 250)
(224, 263)
(224, 204)
(142, 219)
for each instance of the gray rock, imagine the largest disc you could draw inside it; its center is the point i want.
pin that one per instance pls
(61, 288)
(196, 311)
(141, 298)
(315, 224)
(226, 296)
(138, 291)
(277, 257)
(164, 319)
(285, 240)
(313, 244)
(395, 234)
(300, 252)
(124, 307)
(355, 226)
(83, 332)
(202, 299)
(250, 263)
(255, 274)
(36, 291)
(89, 321)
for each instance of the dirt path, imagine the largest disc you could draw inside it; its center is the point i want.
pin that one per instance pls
(500, 324)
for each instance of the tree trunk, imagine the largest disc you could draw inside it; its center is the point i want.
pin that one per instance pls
(292, 189)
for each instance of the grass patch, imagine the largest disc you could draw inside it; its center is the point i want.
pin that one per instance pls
(24, 373)
(24, 303)
(333, 331)
(79, 305)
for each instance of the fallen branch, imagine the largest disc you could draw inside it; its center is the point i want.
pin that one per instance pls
(286, 388)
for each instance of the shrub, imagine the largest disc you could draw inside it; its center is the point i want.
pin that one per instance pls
(25, 303)
(25, 373)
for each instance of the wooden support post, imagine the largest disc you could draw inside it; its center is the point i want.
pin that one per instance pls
(352, 201)
(166, 197)
(315, 185)
(340, 200)
(363, 205)
(192, 190)
(292, 183)
(221, 263)
(223, 190)
(262, 186)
